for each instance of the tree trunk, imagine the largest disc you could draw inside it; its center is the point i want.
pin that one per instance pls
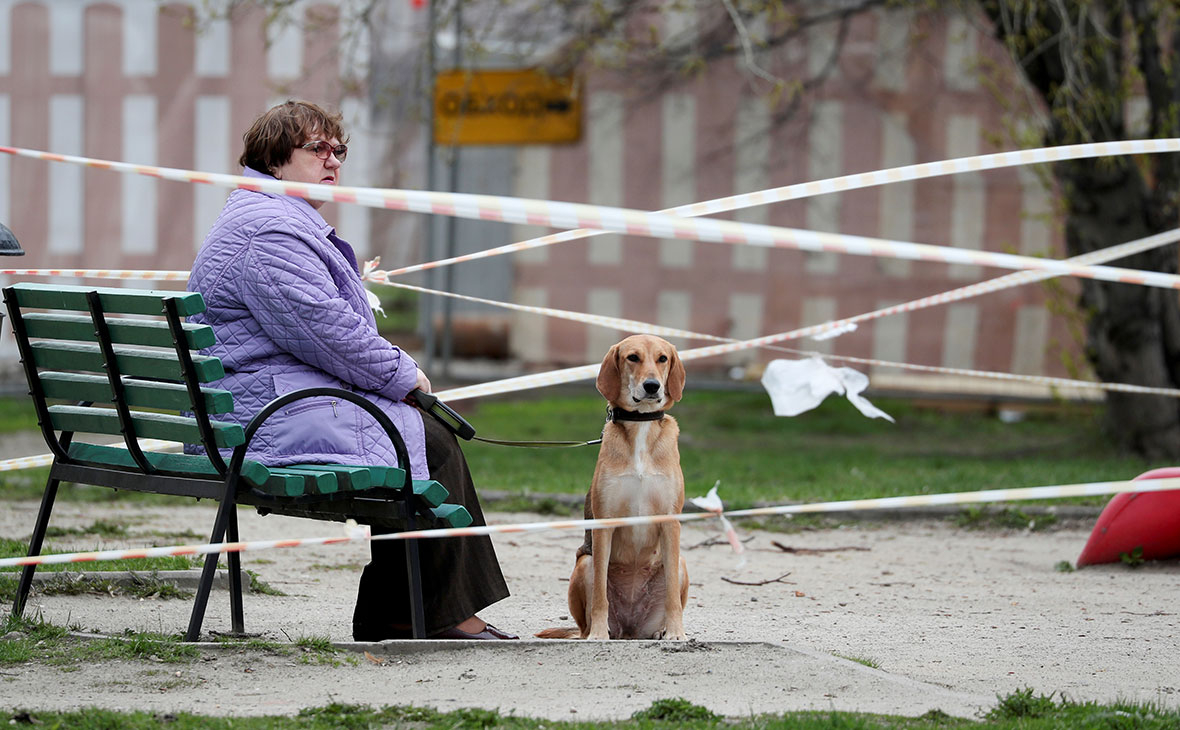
(1075, 55)
(1133, 332)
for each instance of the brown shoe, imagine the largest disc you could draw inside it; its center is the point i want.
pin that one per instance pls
(489, 632)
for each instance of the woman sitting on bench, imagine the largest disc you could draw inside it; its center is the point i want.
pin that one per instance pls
(284, 296)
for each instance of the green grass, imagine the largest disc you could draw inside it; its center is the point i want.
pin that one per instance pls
(150, 646)
(677, 710)
(870, 663)
(73, 584)
(38, 640)
(258, 585)
(831, 453)
(980, 517)
(1020, 711)
(30, 634)
(264, 645)
(17, 414)
(102, 528)
(319, 650)
(541, 504)
(400, 308)
(146, 585)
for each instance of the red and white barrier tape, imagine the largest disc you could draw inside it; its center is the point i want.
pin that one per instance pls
(584, 372)
(122, 274)
(589, 371)
(355, 534)
(600, 320)
(844, 183)
(630, 325)
(640, 223)
(1007, 281)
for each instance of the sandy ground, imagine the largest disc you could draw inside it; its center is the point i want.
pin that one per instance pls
(951, 617)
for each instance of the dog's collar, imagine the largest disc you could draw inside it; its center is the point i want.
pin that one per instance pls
(614, 415)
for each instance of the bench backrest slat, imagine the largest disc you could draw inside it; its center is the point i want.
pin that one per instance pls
(254, 473)
(147, 425)
(125, 349)
(145, 332)
(114, 301)
(160, 364)
(138, 393)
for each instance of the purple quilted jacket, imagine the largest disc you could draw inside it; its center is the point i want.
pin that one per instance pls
(284, 298)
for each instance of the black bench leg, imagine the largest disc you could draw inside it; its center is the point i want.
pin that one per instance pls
(35, 542)
(220, 524)
(414, 572)
(235, 576)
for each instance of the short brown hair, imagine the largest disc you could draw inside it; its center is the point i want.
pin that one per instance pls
(273, 137)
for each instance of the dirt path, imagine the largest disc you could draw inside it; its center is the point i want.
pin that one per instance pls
(950, 617)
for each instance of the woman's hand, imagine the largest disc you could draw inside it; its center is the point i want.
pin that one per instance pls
(423, 383)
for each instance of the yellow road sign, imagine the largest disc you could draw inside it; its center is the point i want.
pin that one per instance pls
(505, 107)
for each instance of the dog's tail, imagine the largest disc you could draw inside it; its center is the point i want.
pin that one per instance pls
(572, 632)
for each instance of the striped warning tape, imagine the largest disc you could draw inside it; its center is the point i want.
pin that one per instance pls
(359, 534)
(618, 323)
(768, 342)
(573, 374)
(843, 183)
(584, 372)
(123, 274)
(1020, 278)
(640, 223)
(635, 326)
(589, 371)
(1010, 280)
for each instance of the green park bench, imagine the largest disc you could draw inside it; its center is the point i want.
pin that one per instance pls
(122, 362)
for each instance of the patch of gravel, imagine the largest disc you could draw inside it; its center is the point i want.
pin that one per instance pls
(951, 617)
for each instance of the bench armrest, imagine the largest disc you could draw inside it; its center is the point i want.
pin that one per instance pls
(399, 445)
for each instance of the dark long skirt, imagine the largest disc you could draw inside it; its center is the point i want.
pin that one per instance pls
(460, 575)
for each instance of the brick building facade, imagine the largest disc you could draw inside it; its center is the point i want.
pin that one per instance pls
(133, 80)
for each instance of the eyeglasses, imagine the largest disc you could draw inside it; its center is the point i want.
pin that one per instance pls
(322, 149)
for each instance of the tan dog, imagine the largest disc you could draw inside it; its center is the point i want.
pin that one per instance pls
(631, 582)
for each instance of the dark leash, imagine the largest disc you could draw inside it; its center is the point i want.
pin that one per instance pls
(539, 444)
(464, 430)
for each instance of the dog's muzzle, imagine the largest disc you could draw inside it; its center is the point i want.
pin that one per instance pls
(651, 390)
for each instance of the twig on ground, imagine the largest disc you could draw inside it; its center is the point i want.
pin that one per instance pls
(715, 541)
(759, 583)
(815, 551)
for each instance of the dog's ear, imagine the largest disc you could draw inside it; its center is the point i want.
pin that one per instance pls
(609, 380)
(676, 376)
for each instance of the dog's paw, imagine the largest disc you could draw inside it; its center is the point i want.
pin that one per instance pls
(674, 632)
(597, 635)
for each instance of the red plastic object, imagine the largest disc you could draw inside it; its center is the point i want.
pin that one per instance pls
(1148, 520)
